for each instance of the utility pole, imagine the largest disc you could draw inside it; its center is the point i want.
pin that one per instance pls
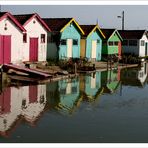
(122, 17)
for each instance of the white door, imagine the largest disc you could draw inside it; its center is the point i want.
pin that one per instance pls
(93, 49)
(68, 88)
(93, 82)
(69, 48)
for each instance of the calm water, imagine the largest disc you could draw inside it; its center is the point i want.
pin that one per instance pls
(110, 106)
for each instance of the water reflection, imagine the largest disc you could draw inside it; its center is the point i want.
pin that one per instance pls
(135, 77)
(27, 103)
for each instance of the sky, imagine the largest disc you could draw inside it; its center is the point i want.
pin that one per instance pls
(135, 15)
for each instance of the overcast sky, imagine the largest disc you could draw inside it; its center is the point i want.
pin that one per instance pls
(135, 16)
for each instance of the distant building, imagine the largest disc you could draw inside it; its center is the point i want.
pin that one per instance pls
(11, 39)
(64, 38)
(91, 42)
(35, 40)
(111, 43)
(135, 42)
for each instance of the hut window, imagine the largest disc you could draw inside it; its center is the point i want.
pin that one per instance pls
(25, 38)
(42, 38)
(125, 43)
(98, 41)
(133, 42)
(63, 42)
(142, 42)
(116, 43)
(110, 43)
(75, 42)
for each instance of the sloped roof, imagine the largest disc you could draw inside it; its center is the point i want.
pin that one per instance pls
(88, 29)
(12, 18)
(59, 24)
(56, 24)
(25, 18)
(109, 32)
(132, 34)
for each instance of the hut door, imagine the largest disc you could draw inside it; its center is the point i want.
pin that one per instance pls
(93, 82)
(119, 49)
(146, 48)
(33, 49)
(33, 93)
(69, 48)
(5, 49)
(5, 101)
(93, 49)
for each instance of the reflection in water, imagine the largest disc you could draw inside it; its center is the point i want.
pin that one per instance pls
(16, 103)
(27, 103)
(134, 77)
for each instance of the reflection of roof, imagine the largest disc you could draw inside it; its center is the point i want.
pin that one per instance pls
(108, 89)
(132, 82)
(90, 98)
(130, 78)
(14, 125)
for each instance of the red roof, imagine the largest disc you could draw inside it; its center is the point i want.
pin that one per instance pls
(132, 34)
(56, 24)
(24, 19)
(13, 19)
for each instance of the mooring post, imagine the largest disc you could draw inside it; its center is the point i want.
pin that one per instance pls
(75, 68)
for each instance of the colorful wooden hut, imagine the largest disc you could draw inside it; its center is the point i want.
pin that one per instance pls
(64, 40)
(11, 39)
(111, 44)
(91, 42)
(135, 42)
(35, 39)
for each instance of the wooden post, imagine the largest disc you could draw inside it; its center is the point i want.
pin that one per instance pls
(75, 68)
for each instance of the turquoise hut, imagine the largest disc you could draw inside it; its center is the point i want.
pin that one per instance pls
(64, 38)
(91, 42)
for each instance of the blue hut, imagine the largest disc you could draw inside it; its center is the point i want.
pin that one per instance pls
(64, 38)
(91, 42)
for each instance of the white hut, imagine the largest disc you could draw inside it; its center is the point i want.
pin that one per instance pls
(135, 42)
(11, 39)
(35, 39)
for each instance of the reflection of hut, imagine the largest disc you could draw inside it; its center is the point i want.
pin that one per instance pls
(110, 80)
(10, 109)
(34, 103)
(52, 94)
(15, 103)
(90, 86)
(68, 94)
(134, 76)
